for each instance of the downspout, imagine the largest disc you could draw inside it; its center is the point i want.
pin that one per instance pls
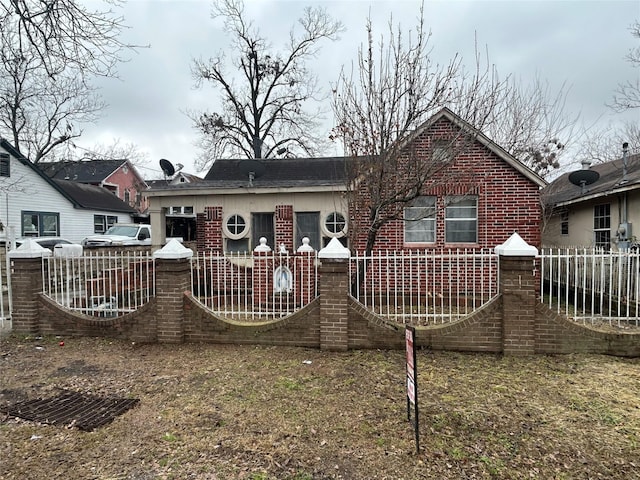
(624, 230)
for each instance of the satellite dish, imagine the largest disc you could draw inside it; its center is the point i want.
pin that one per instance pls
(167, 167)
(252, 168)
(582, 178)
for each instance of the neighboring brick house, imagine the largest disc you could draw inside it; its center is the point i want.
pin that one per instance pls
(118, 176)
(484, 195)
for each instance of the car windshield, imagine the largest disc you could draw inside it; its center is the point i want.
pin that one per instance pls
(124, 230)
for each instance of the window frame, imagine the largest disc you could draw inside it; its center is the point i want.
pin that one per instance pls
(40, 227)
(333, 231)
(564, 222)
(602, 226)
(235, 234)
(106, 221)
(257, 231)
(315, 238)
(451, 220)
(5, 165)
(426, 214)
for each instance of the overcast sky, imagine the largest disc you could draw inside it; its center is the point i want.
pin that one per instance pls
(580, 43)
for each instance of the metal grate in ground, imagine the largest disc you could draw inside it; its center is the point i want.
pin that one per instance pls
(83, 411)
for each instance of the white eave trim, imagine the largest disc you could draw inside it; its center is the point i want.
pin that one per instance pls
(594, 196)
(241, 191)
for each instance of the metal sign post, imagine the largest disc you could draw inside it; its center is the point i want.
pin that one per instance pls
(412, 382)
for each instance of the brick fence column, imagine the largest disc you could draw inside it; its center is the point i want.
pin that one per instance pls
(334, 291)
(26, 285)
(173, 278)
(518, 289)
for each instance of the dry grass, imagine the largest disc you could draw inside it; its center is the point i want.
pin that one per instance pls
(258, 413)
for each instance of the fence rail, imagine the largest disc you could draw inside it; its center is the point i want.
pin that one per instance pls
(254, 287)
(424, 287)
(98, 284)
(592, 286)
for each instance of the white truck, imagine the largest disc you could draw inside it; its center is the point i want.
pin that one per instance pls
(121, 235)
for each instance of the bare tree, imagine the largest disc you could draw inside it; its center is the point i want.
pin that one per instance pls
(605, 144)
(68, 33)
(531, 123)
(116, 150)
(37, 112)
(395, 88)
(49, 53)
(264, 108)
(627, 95)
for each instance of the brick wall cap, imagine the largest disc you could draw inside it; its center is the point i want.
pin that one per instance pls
(334, 249)
(173, 250)
(515, 246)
(30, 249)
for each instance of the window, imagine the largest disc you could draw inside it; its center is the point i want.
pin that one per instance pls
(127, 196)
(235, 231)
(237, 246)
(102, 222)
(564, 223)
(461, 220)
(40, 224)
(236, 225)
(5, 165)
(262, 226)
(602, 225)
(420, 221)
(180, 211)
(335, 223)
(441, 151)
(308, 225)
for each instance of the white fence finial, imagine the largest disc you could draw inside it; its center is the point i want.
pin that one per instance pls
(515, 246)
(334, 249)
(263, 247)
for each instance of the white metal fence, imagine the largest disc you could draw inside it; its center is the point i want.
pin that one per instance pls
(425, 287)
(254, 287)
(102, 285)
(592, 286)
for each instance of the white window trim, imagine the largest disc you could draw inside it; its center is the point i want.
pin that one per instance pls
(235, 236)
(323, 225)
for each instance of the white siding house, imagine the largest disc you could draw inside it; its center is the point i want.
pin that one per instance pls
(31, 204)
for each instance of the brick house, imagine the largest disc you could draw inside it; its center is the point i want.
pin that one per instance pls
(482, 196)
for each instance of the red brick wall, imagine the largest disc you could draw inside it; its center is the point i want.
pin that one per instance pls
(284, 227)
(513, 323)
(209, 229)
(507, 201)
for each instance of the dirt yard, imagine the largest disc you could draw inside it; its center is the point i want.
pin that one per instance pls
(258, 413)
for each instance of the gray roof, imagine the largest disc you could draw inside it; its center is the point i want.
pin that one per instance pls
(562, 192)
(269, 173)
(279, 172)
(88, 171)
(93, 197)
